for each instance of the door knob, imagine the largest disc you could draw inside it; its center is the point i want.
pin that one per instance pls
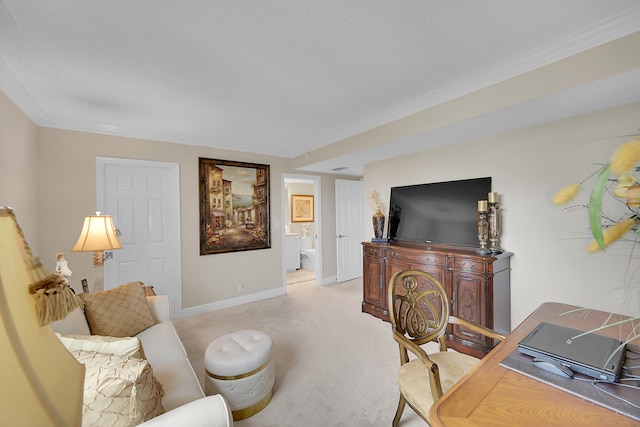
(340, 236)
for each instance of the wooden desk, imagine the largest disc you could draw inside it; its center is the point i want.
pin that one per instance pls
(493, 395)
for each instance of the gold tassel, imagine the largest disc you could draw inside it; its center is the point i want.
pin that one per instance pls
(54, 299)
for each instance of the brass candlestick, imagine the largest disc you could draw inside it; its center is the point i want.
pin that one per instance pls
(494, 223)
(483, 228)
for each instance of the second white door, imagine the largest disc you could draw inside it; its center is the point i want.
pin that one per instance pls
(349, 229)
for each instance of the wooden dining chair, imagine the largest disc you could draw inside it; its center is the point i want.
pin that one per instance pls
(419, 311)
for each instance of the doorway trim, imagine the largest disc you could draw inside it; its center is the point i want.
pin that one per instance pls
(316, 180)
(174, 171)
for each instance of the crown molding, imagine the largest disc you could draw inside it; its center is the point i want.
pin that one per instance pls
(14, 89)
(606, 31)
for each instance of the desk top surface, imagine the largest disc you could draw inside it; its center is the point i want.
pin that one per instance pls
(493, 395)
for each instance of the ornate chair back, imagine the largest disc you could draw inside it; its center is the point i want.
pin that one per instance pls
(419, 307)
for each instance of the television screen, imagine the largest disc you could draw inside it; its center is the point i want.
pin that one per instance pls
(442, 212)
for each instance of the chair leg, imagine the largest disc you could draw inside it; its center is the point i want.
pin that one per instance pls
(401, 404)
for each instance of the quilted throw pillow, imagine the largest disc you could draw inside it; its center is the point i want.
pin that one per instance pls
(118, 391)
(127, 346)
(118, 312)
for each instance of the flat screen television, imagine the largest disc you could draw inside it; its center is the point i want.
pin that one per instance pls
(441, 212)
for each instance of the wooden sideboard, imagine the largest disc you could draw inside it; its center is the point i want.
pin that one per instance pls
(477, 286)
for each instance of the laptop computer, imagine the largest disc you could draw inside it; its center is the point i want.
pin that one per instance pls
(593, 355)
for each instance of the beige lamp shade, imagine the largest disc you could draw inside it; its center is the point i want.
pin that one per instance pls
(41, 380)
(98, 234)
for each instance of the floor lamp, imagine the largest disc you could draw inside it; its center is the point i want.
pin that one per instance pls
(98, 235)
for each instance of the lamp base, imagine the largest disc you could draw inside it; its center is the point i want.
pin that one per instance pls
(98, 271)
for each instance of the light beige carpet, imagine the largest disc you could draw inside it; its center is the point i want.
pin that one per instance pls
(334, 365)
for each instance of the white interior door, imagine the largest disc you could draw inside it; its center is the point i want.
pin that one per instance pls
(143, 199)
(349, 229)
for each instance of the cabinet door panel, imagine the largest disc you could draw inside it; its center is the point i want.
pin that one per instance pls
(394, 266)
(468, 302)
(374, 292)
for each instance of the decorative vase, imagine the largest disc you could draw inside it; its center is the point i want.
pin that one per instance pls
(378, 224)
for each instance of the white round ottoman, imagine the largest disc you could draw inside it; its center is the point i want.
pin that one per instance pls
(239, 366)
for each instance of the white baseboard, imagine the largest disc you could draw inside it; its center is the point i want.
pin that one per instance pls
(218, 305)
(327, 280)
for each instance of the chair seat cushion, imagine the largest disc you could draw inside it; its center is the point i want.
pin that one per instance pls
(413, 377)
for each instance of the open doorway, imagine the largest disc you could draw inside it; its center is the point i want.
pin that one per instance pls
(302, 243)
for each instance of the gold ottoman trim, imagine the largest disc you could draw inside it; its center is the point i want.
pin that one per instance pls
(249, 411)
(240, 376)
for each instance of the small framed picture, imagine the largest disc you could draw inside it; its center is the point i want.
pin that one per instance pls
(301, 208)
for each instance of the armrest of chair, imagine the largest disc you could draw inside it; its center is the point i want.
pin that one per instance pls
(160, 309)
(476, 328)
(407, 344)
(210, 411)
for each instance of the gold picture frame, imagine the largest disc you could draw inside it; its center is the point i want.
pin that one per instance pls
(301, 208)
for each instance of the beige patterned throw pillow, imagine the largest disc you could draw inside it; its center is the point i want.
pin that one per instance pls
(118, 391)
(118, 312)
(118, 346)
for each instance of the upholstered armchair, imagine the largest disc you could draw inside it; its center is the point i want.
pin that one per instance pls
(419, 312)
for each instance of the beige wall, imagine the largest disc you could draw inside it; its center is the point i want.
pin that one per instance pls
(49, 176)
(68, 182)
(18, 168)
(527, 167)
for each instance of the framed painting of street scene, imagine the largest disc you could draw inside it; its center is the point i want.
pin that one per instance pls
(234, 206)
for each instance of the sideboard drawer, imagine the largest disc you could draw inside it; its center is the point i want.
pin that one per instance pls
(373, 251)
(417, 258)
(467, 265)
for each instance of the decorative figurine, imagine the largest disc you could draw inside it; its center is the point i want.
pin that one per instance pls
(62, 267)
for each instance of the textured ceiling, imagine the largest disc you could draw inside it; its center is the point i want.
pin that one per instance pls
(286, 78)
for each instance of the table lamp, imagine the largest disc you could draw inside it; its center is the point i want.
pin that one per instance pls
(98, 235)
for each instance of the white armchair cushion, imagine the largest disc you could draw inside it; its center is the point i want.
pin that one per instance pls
(160, 309)
(161, 344)
(179, 383)
(171, 366)
(211, 411)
